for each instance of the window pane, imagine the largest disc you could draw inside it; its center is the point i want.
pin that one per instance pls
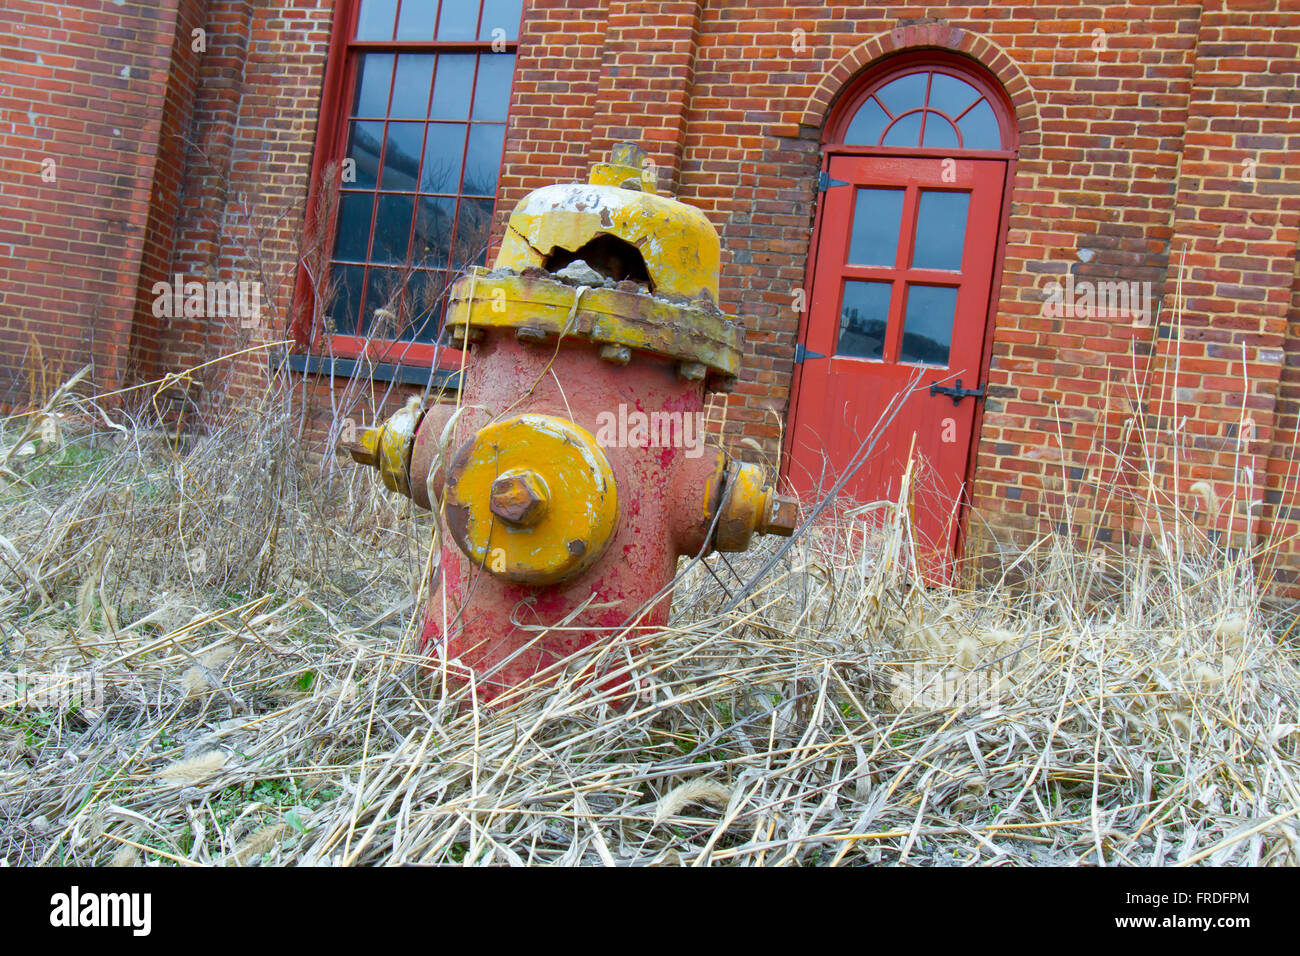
(459, 20)
(376, 19)
(451, 89)
(473, 223)
(940, 230)
(373, 78)
(951, 95)
(392, 228)
(424, 305)
(979, 128)
(939, 133)
(492, 91)
(402, 156)
(364, 144)
(346, 305)
(864, 316)
(352, 238)
(417, 20)
(503, 14)
(927, 324)
(434, 216)
(444, 149)
(411, 85)
(906, 132)
(483, 159)
(903, 94)
(868, 123)
(877, 218)
(383, 296)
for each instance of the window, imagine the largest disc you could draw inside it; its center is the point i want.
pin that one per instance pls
(419, 133)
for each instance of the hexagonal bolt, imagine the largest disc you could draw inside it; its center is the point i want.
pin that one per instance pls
(520, 497)
(782, 516)
(691, 371)
(459, 335)
(531, 336)
(616, 354)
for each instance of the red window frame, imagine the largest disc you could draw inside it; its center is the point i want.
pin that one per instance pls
(342, 63)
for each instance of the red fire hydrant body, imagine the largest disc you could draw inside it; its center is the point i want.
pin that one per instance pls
(573, 472)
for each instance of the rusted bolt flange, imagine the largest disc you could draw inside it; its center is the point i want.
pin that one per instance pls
(616, 354)
(520, 497)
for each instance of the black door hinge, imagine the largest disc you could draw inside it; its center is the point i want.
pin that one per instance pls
(801, 353)
(956, 392)
(824, 182)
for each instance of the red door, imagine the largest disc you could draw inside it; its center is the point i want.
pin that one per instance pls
(899, 304)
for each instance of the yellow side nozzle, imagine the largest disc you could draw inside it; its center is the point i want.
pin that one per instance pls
(387, 447)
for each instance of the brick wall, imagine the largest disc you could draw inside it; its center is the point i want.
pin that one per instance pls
(82, 101)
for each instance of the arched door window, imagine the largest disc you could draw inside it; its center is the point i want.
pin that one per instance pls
(909, 225)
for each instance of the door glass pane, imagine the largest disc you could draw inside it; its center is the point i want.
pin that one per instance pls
(927, 324)
(906, 132)
(979, 128)
(864, 316)
(951, 95)
(903, 94)
(939, 133)
(868, 123)
(877, 216)
(940, 230)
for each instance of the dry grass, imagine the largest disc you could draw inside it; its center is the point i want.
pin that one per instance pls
(251, 614)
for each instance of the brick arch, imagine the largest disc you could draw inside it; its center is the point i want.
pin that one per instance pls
(920, 37)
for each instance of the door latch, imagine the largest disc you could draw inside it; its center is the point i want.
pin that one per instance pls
(955, 392)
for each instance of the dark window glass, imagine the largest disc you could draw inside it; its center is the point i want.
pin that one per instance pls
(483, 159)
(492, 90)
(940, 230)
(374, 77)
(411, 85)
(434, 218)
(392, 228)
(473, 223)
(402, 156)
(451, 89)
(877, 216)
(864, 317)
(352, 238)
(927, 324)
(364, 144)
(348, 283)
(424, 137)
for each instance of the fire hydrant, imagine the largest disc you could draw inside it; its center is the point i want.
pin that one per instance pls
(572, 473)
